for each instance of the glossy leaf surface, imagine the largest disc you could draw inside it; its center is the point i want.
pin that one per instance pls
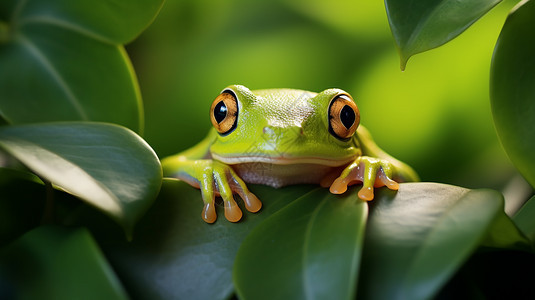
(112, 21)
(176, 255)
(512, 90)
(308, 250)
(57, 263)
(419, 237)
(108, 166)
(419, 26)
(62, 61)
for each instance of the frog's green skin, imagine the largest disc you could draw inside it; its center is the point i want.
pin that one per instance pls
(282, 137)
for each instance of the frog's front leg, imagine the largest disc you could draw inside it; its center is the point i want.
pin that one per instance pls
(214, 178)
(372, 172)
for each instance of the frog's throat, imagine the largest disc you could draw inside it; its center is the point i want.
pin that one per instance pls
(282, 160)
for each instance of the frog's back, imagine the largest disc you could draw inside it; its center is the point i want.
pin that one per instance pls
(283, 93)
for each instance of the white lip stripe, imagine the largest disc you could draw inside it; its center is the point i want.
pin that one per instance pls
(283, 160)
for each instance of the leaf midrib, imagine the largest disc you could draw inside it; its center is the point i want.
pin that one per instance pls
(54, 74)
(18, 22)
(64, 24)
(306, 240)
(426, 241)
(114, 200)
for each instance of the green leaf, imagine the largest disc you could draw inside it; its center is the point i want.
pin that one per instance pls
(419, 237)
(57, 263)
(309, 249)
(504, 233)
(62, 61)
(22, 202)
(512, 91)
(525, 219)
(112, 21)
(108, 166)
(418, 26)
(174, 253)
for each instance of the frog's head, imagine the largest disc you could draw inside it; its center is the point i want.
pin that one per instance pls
(284, 126)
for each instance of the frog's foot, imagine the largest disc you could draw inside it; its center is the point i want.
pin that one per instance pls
(372, 172)
(222, 181)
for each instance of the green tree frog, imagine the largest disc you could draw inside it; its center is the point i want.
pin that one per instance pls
(279, 137)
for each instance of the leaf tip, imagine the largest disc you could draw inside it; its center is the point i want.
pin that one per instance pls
(403, 59)
(126, 225)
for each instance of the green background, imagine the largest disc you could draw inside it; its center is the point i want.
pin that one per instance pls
(435, 115)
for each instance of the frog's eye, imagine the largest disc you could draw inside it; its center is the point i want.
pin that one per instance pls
(224, 112)
(344, 117)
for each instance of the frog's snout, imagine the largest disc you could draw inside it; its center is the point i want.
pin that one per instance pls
(273, 133)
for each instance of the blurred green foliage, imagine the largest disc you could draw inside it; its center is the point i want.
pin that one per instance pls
(435, 115)
(426, 239)
(512, 91)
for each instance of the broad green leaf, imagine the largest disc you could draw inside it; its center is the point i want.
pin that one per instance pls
(512, 88)
(62, 61)
(310, 249)
(174, 254)
(108, 166)
(112, 21)
(62, 76)
(418, 26)
(419, 237)
(22, 202)
(525, 219)
(57, 263)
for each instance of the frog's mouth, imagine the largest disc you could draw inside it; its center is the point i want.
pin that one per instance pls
(284, 160)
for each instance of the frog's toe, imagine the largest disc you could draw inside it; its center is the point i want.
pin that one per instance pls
(251, 202)
(232, 211)
(351, 175)
(339, 186)
(366, 193)
(383, 180)
(208, 213)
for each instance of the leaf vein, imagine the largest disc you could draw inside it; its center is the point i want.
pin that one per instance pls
(43, 60)
(66, 25)
(308, 233)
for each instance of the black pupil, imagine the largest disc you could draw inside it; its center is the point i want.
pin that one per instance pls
(347, 116)
(220, 111)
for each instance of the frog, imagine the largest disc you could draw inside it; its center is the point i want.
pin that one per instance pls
(280, 137)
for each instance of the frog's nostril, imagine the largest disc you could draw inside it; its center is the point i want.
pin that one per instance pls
(267, 130)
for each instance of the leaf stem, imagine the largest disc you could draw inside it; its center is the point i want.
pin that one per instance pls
(48, 214)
